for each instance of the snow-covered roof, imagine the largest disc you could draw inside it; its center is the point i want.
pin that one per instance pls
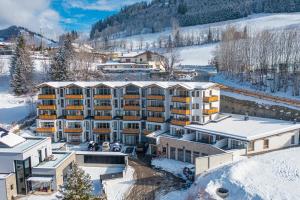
(10, 139)
(27, 144)
(253, 128)
(132, 54)
(115, 84)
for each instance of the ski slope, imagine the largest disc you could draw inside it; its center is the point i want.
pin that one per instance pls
(201, 55)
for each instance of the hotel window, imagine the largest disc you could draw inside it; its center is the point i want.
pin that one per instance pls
(61, 92)
(266, 143)
(197, 94)
(251, 146)
(293, 139)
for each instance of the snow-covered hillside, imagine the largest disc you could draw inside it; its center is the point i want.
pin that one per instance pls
(274, 175)
(201, 55)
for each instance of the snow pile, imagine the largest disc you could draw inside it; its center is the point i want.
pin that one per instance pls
(274, 175)
(173, 166)
(116, 189)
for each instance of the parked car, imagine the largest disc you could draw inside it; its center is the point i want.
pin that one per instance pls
(189, 172)
(105, 146)
(116, 147)
(93, 146)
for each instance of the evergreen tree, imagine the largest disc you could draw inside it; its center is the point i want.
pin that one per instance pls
(209, 36)
(78, 185)
(21, 69)
(61, 62)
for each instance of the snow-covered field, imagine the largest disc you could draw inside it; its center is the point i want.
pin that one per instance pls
(274, 175)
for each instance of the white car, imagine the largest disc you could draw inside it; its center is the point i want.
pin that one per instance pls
(105, 146)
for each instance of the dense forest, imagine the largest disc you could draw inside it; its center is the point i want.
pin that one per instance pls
(157, 15)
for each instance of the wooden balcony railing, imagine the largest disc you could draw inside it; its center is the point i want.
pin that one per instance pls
(75, 117)
(103, 107)
(47, 96)
(131, 96)
(131, 131)
(47, 107)
(156, 97)
(103, 117)
(181, 99)
(48, 117)
(73, 107)
(74, 96)
(156, 109)
(180, 122)
(102, 96)
(73, 130)
(131, 107)
(101, 130)
(156, 119)
(210, 99)
(45, 129)
(181, 112)
(131, 118)
(210, 111)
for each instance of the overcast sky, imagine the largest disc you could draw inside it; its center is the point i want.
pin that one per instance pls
(53, 17)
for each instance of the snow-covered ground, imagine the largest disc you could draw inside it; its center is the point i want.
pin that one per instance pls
(274, 175)
(201, 55)
(95, 173)
(12, 108)
(173, 166)
(116, 189)
(219, 78)
(257, 100)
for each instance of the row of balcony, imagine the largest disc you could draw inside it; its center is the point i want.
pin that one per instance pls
(130, 96)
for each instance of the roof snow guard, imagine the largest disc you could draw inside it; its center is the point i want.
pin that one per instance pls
(142, 84)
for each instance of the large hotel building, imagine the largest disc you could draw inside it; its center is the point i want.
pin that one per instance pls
(122, 111)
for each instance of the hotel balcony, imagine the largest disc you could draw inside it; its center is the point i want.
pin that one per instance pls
(131, 131)
(74, 96)
(101, 130)
(103, 117)
(156, 119)
(47, 96)
(180, 122)
(48, 117)
(102, 96)
(155, 109)
(75, 117)
(47, 107)
(181, 111)
(73, 130)
(103, 107)
(74, 107)
(210, 111)
(181, 99)
(210, 99)
(156, 97)
(45, 129)
(131, 96)
(131, 118)
(132, 107)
